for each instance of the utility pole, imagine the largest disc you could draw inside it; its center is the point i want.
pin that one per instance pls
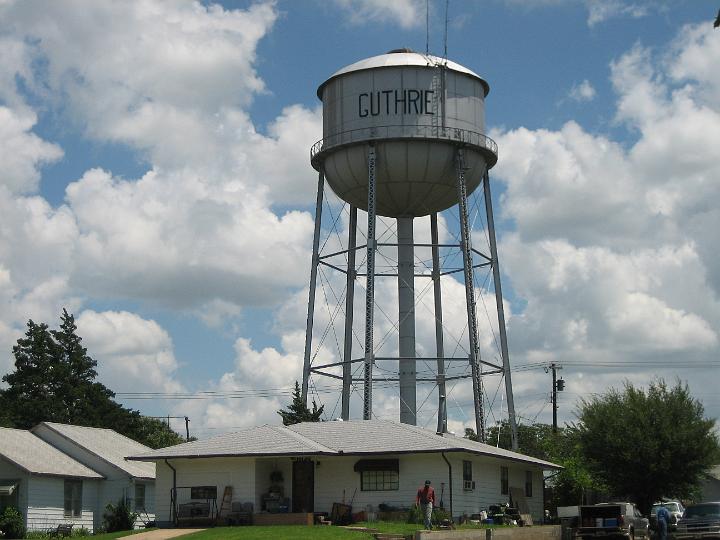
(187, 429)
(558, 385)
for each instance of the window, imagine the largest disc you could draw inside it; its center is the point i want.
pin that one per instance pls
(379, 481)
(528, 483)
(378, 474)
(139, 497)
(8, 494)
(73, 498)
(468, 484)
(504, 481)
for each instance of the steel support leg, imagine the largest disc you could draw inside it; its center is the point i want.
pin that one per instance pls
(313, 283)
(407, 368)
(466, 246)
(349, 307)
(439, 341)
(369, 288)
(500, 312)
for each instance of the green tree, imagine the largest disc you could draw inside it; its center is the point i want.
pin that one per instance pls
(647, 445)
(54, 381)
(570, 485)
(298, 410)
(155, 433)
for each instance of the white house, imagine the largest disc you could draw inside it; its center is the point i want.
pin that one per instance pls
(46, 485)
(104, 451)
(368, 462)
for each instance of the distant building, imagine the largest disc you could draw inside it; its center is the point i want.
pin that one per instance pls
(710, 490)
(308, 467)
(59, 473)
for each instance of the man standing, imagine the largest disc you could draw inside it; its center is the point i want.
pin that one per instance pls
(426, 500)
(663, 520)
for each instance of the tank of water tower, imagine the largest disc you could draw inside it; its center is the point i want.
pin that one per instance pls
(414, 108)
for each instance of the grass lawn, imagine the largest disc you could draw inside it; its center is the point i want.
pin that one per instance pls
(277, 532)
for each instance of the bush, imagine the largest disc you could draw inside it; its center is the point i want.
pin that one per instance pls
(119, 517)
(415, 515)
(37, 535)
(82, 531)
(12, 524)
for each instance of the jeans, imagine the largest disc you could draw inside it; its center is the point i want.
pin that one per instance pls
(427, 513)
(662, 530)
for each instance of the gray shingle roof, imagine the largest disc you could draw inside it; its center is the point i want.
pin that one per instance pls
(356, 437)
(257, 441)
(108, 445)
(35, 456)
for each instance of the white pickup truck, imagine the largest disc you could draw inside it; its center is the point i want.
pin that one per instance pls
(616, 519)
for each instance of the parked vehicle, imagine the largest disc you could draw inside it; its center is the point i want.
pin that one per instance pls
(618, 519)
(675, 508)
(700, 520)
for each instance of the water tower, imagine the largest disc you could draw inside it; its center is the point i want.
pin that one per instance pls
(403, 137)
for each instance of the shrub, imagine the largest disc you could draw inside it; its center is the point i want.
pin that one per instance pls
(12, 524)
(82, 531)
(119, 517)
(37, 535)
(416, 515)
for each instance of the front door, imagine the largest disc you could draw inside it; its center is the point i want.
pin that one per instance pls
(303, 486)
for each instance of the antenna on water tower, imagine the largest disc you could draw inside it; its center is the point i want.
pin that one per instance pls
(398, 143)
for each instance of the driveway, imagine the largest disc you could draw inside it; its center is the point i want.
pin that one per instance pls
(162, 534)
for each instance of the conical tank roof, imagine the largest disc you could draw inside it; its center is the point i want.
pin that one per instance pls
(403, 57)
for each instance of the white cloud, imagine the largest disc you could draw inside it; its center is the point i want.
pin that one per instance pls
(133, 354)
(613, 245)
(22, 153)
(602, 10)
(405, 13)
(582, 92)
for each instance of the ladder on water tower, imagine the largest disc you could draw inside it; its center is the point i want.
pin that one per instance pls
(437, 89)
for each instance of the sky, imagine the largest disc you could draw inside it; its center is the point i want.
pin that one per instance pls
(155, 181)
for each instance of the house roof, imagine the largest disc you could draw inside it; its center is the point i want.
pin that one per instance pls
(357, 437)
(108, 445)
(35, 456)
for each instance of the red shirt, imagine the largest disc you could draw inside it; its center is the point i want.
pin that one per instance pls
(426, 495)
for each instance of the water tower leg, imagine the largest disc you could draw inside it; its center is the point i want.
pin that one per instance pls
(406, 321)
(500, 312)
(369, 289)
(313, 281)
(349, 307)
(439, 342)
(466, 246)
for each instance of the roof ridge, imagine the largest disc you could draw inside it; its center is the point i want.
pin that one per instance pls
(303, 438)
(86, 448)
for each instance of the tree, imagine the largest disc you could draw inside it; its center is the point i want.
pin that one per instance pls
(54, 381)
(298, 410)
(155, 433)
(647, 445)
(570, 485)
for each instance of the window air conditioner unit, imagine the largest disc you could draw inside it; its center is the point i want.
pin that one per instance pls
(469, 484)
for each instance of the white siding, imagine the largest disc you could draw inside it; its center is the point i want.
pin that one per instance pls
(486, 473)
(335, 476)
(118, 483)
(221, 472)
(46, 496)
(8, 471)
(336, 480)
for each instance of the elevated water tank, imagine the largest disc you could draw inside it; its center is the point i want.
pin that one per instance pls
(416, 110)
